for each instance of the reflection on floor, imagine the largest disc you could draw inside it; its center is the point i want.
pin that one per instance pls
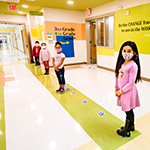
(37, 118)
(9, 53)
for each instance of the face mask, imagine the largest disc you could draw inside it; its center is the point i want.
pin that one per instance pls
(58, 50)
(43, 47)
(127, 56)
(36, 45)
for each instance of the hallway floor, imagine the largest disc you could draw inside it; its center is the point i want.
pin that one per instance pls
(34, 117)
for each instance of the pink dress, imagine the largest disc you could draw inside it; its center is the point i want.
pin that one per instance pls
(126, 81)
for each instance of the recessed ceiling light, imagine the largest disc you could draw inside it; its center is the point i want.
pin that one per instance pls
(70, 2)
(25, 6)
(20, 12)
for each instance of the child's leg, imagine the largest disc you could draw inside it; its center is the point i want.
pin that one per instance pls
(130, 116)
(45, 67)
(62, 79)
(58, 77)
(36, 60)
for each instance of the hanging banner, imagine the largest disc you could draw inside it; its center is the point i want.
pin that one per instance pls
(67, 45)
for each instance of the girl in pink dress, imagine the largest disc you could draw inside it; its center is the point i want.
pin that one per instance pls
(127, 75)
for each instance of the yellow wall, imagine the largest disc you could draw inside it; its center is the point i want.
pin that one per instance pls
(37, 32)
(132, 26)
(40, 29)
(105, 51)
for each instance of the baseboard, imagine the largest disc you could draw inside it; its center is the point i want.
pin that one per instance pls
(112, 70)
(105, 68)
(72, 64)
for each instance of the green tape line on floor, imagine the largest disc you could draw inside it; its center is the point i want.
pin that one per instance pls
(102, 129)
(2, 120)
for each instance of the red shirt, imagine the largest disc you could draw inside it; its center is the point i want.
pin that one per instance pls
(36, 51)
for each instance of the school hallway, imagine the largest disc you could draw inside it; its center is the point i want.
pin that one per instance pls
(34, 117)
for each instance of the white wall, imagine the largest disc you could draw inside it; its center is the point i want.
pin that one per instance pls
(108, 61)
(113, 6)
(61, 15)
(19, 37)
(13, 18)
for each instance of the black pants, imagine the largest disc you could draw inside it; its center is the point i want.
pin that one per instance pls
(60, 76)
(130, 116)
(37, 60)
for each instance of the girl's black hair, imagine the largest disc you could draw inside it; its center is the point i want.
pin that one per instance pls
(43, 43)
(135, 58)
(58, 44)
(37, 42)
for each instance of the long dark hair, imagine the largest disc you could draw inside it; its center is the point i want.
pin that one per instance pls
(135, 58)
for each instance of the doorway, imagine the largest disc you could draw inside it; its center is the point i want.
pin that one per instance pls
(91, 41)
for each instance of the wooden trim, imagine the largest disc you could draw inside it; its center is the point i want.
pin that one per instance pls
(112, 70)
(80, 63)
(145, 79)
(105, 68)
(99, 16)
(27, 43)
(9, 22)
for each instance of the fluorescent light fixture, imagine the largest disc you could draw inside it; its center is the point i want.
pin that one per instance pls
(70, 2)
(20, 12)
(25, 6)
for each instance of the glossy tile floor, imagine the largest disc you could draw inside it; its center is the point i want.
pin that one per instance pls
(35, 120)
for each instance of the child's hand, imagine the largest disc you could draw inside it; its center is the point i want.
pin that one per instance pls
(119, 93)
(56, 68)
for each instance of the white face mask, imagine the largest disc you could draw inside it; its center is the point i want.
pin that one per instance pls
(43, 47)
(127, 56)
(36, 45)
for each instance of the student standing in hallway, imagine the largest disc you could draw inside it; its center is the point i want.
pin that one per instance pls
(127, 75)
(36, 52)
(45, 58)
(57, 61)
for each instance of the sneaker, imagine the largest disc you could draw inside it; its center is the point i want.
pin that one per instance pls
(58, 90)
(62, 91)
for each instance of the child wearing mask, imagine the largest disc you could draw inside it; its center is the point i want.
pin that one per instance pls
(36, 52)
(45, 58)
(57, 61)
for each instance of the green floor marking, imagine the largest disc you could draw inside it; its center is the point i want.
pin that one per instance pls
(102, 129)
(1, 68)
(2, 118)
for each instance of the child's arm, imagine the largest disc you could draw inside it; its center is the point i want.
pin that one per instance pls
(132, 78)
(49, 56)
(40, 57)
(61, 62)
(53, 62)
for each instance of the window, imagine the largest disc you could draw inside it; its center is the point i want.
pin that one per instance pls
(105, 31)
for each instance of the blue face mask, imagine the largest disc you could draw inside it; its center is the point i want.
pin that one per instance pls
(127, 56)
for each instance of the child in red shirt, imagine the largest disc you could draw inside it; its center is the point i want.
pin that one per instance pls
(36, 52)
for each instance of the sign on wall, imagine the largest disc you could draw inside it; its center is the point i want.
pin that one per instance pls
(50, 38)
(12, 7)
(134, 27)
(67, 45)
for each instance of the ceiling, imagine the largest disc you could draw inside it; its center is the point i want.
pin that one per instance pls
(79, 5)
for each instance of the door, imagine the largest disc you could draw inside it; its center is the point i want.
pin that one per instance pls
(93, 58)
